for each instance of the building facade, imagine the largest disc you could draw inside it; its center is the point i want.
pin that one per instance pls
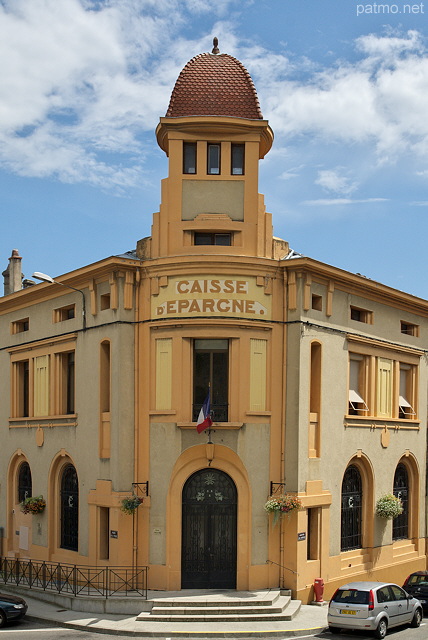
(317, 380)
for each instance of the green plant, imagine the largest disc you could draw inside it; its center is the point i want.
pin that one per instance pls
(35, 504)
(389, 506)
(282, 504)
(130, 503)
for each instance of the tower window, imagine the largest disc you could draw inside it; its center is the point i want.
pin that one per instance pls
(220, 239)
(189, 157)
(213, 159)
(238, 159)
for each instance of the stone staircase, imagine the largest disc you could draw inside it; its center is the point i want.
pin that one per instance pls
(223, 606)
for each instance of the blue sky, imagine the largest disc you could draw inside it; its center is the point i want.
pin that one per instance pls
(343, 84)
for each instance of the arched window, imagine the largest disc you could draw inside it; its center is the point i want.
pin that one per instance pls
(352, 501)
(400, 525)
(69, 508)
(25, 485)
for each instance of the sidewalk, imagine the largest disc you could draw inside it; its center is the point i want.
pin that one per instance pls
(310, 620)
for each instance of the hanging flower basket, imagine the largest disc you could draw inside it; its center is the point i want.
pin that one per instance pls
(130, 504)
(283, 504)
(35, 504)
(389, 506)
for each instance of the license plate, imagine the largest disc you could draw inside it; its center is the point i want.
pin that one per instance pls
(349, 611)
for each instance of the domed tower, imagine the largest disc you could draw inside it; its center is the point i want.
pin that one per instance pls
(214, 135)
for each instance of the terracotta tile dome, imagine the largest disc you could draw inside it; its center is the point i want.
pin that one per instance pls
(214, 84)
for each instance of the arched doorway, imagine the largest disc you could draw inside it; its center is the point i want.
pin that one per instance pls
(208, 558)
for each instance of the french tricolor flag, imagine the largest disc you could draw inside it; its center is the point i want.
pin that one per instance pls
(204, 418)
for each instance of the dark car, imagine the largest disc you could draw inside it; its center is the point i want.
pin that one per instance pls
(417, 585)
(11, 608)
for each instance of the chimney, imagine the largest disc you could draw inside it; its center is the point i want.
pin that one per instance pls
(13, 274)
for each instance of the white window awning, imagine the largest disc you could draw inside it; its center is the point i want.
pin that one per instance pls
(405, 406)
(356, 399)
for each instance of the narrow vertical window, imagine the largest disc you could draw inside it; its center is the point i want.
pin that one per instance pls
(405, 397)
(22, 389)
(105, 376)
(400, 524)
(25, 485)
(70, 408)
(357, 394)
(238, 152)
(352, 502)
(211, 371)
(315, 402)
(104, 533)
(313, 533)
(189, 157)
(69, 509)
(104, 439)
(213, 159)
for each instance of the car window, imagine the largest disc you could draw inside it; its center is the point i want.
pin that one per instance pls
(397, 592)
(384, 595)
(352, 596)
(417, 580)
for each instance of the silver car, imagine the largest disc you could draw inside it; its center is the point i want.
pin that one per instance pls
(372, 606)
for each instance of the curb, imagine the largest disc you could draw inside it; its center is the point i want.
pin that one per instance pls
(282, 633)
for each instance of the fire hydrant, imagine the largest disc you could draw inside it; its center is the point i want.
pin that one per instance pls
(319, 589)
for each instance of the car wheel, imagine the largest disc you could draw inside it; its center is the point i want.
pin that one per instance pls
(3, 619)
(417, 618)
(382, 628)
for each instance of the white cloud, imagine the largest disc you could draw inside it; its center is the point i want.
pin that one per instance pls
(331, 202)
(332, 180)
(381, 99)
(291, 173)
(85, 78)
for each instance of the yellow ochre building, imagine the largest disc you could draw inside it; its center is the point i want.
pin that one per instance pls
(317, 381)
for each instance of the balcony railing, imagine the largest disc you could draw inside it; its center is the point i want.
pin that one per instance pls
(74, 580)
(219, 412)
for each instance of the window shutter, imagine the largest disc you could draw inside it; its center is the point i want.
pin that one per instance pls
(41, 386)
(384, 388)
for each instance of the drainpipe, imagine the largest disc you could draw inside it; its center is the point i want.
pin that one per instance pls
(284, 389)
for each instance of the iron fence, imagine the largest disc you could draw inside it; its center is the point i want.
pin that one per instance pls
(75, 580)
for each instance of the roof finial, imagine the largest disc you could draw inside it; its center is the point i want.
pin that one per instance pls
(215, 48)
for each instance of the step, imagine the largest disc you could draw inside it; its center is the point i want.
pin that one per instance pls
(272, 606)
(218, 600)
(291, 611)
(204, 609)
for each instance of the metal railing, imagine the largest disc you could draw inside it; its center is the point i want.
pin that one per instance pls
(218, 412)
(74, 580)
